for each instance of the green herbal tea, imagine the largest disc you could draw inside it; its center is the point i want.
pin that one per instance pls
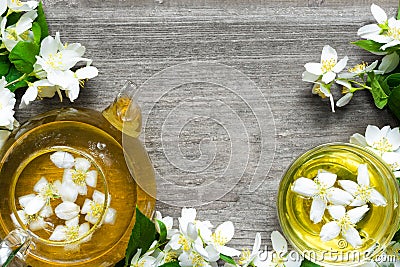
(377, 227)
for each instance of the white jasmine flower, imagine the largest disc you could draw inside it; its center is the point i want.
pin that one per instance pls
(35, 222)
(373, 31)
(81, 175)
(321, 190)
(329, 65)
(222, 235)
(7, 103)
(144, 261)
(17, 6)
(280, 256)
(186, 239)
(194, 259)
(167, 255)
(248, 257)
(71, 231)
(21, 31)
(67, 210)
(168, 222)
(358, 69)
(72, 80)
(39, 89)
(93, 209)
(32, 203)
(362, 191)
(344, 224)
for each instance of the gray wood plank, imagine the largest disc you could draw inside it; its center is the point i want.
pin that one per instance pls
(269, 41)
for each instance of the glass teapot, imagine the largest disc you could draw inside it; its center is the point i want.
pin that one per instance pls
(67, 185)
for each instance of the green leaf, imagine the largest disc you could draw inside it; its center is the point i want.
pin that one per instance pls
(393, 80)
(374, 47)
(394, 102)
(4, 65)
(12, 255)
(15, 74)
(307, 263)
(41, 20)
(23, 56)
(378, 93)
(396, 236)
(37, 33)
(171, 264)
(121, 263)
(13, 18)
(143, 235)
(163, 231)
(227, 259)
(398, 11)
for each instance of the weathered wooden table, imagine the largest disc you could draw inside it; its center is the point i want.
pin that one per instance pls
(268, 41)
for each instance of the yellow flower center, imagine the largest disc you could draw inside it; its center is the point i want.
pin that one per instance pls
(72, 232)
(54, 60)
(170, 256)
(17, 2)
(184, 243)
(96, 209)
(383, 145)
(278, 260)
(363, 192)
(344, 223)
(139, 264)
(197, 260)
(78, 177)
(12, 34)
(219, 239)
(394, 33)
(49, 192)
(322, 188)
(31, 218)
(328, 64)
(359, 67)
(317, 91)
(244, 256)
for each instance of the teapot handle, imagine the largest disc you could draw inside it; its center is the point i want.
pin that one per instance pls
(124, 113)
(14, 248)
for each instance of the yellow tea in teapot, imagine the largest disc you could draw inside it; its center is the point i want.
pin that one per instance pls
(65, 181)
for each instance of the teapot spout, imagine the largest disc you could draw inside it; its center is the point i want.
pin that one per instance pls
(124, 113)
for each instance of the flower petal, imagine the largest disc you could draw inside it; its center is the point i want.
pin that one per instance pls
(68, 191)
(329, 231)
(369, 29)
(192, 231)
(87, 206)
(328, 77)
(340, 65)
(226, 231)
(357, 202)
(327, 178)
(344, 100)
(349, 186)
(35, 205)
(83, 229)
(38, 224)
(24, 200)
(40, 185)
(393, 137)
(279, 243)
(98, 197)
(111, 216)
(363, 175)
(372, 135)
(309, 77)
(314, 68)
(356, 214)
(67, 210)
(82, 164)
(257, 243)
(88, 72)
(91, 178)
(305, 187)
(318, 207)
(231, 252)
(358, 139)
(352, 237)
(328, 53)
(338, 196)
(72, 222)
(62, 159)
(213, 254)
(379, 14)
(59, 234)
(46, 211)
(377, 199)
(337, 211)
(390, 44)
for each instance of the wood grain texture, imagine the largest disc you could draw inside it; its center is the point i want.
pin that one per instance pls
(269, 41)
